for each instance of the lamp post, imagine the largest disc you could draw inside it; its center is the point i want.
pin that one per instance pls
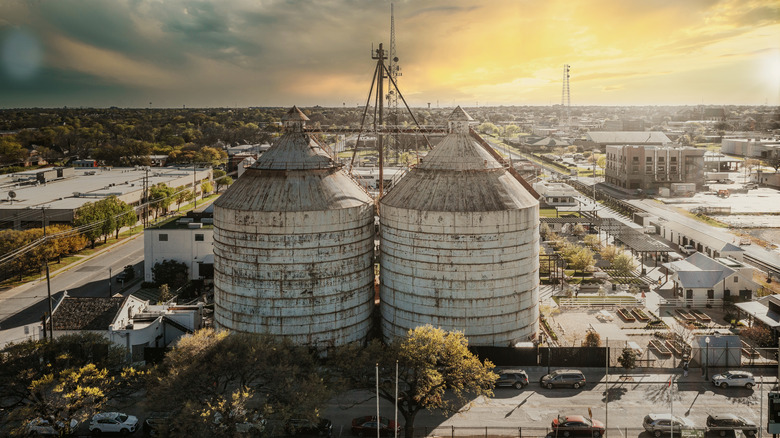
(707, 354)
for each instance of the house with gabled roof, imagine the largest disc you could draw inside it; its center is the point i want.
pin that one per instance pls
(700, 280)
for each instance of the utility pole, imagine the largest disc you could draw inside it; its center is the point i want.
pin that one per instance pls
(606, 392)
(48, 280)
(194, 188)
(110, 285)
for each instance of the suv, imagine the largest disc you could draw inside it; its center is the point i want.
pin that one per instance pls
(113, 422)
(658, 424)
(573, 378)
(734, 378)
(725, 423)
(516, 379)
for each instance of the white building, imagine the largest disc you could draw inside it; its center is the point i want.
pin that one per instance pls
(184, 240)
(556, 194)
(128, 322)
(698, 279)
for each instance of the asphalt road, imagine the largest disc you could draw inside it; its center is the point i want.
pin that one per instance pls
(26, 304)
(533, 408)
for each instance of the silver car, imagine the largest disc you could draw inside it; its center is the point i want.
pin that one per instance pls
(734, 378)
(659, 424)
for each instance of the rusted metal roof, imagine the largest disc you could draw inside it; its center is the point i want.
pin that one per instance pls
(296, 174)
(460, 115)
(459, 175)
(294, 114)
(95, 313)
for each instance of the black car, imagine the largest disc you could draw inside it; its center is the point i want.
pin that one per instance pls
(515, 379)
(307, 427)
(725, 423)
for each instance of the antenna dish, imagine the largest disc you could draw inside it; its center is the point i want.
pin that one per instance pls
(12, 194)
(395, 59)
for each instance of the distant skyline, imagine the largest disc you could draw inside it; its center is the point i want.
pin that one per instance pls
(217, 53)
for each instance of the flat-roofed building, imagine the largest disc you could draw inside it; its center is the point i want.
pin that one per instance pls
(649, 167)
(24, 194)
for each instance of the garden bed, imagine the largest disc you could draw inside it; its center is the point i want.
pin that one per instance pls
(659, 347)
(701, 316)
(749, 351)
(690, 319)
(640, 314)
(626, 314)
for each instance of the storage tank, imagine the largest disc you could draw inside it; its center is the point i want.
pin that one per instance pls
(293, 246)
(460, 246)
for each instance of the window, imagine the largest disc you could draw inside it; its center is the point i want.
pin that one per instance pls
(649, 159)
(673, 159)
(199, 237)
(736, 279)
(636, 158)
(163, 237)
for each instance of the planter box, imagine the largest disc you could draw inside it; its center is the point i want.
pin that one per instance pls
(659, 347)
(640, 314)
(626, 315)
(701, 316)
(676, 348)
(686, 316)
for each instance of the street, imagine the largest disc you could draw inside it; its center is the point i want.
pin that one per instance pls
(25, 304)
(532, 408)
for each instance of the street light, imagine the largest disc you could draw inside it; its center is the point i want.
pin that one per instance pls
(707, 369)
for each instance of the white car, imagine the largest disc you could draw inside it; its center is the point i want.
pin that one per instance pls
(116, 422)
(734, 378)
(41, 427)
(687, 249)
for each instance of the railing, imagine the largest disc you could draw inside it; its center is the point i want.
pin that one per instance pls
(498, 431)
(620, 301)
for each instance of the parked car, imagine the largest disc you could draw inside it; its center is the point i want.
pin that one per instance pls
(687, 249)
(324, 427)
(573, 378)
(571, 425)
(516, 379)
(158, 423)
(726, 423)
(366, 426)
(252, 427)
(115, 422)
(43, 427)
(734, 378)
(659, 424)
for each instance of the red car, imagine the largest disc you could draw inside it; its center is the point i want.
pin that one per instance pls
(366, 426)
(579, 425)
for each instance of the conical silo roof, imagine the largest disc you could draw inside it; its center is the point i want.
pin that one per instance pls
(459, 174)
(295, 174)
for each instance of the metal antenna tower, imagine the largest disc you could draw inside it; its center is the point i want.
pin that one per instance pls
(566, 95)
(395, 72)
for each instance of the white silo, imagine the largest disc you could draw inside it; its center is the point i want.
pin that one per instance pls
(294, 245)
(460, 246)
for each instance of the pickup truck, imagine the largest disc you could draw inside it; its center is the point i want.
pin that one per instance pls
(687, 249)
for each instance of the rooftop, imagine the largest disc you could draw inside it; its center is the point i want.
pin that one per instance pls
(86, 313)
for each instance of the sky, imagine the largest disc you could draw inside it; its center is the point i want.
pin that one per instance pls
(239, 53)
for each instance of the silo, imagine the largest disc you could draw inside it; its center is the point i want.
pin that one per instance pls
(294, 246)
(460, 245)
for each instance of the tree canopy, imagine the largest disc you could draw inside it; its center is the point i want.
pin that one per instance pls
(431, 361)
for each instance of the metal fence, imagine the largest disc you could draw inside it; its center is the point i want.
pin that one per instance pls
(530, 432)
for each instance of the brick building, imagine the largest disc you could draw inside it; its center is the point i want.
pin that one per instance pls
(650, 167)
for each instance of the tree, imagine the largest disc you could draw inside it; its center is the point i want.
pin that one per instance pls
(582, 259)
(578, 230)
(211, 156)
(89, 218)
(609, 253)
(221, 179)
(627, 359)
(760, 334)
(161, 197)
(11, 151)
(182, 195)
(207, 187)
(592, 240)
(431, 362)
(592, 339)
(623, 263)
(212, 373)
(170, 272)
